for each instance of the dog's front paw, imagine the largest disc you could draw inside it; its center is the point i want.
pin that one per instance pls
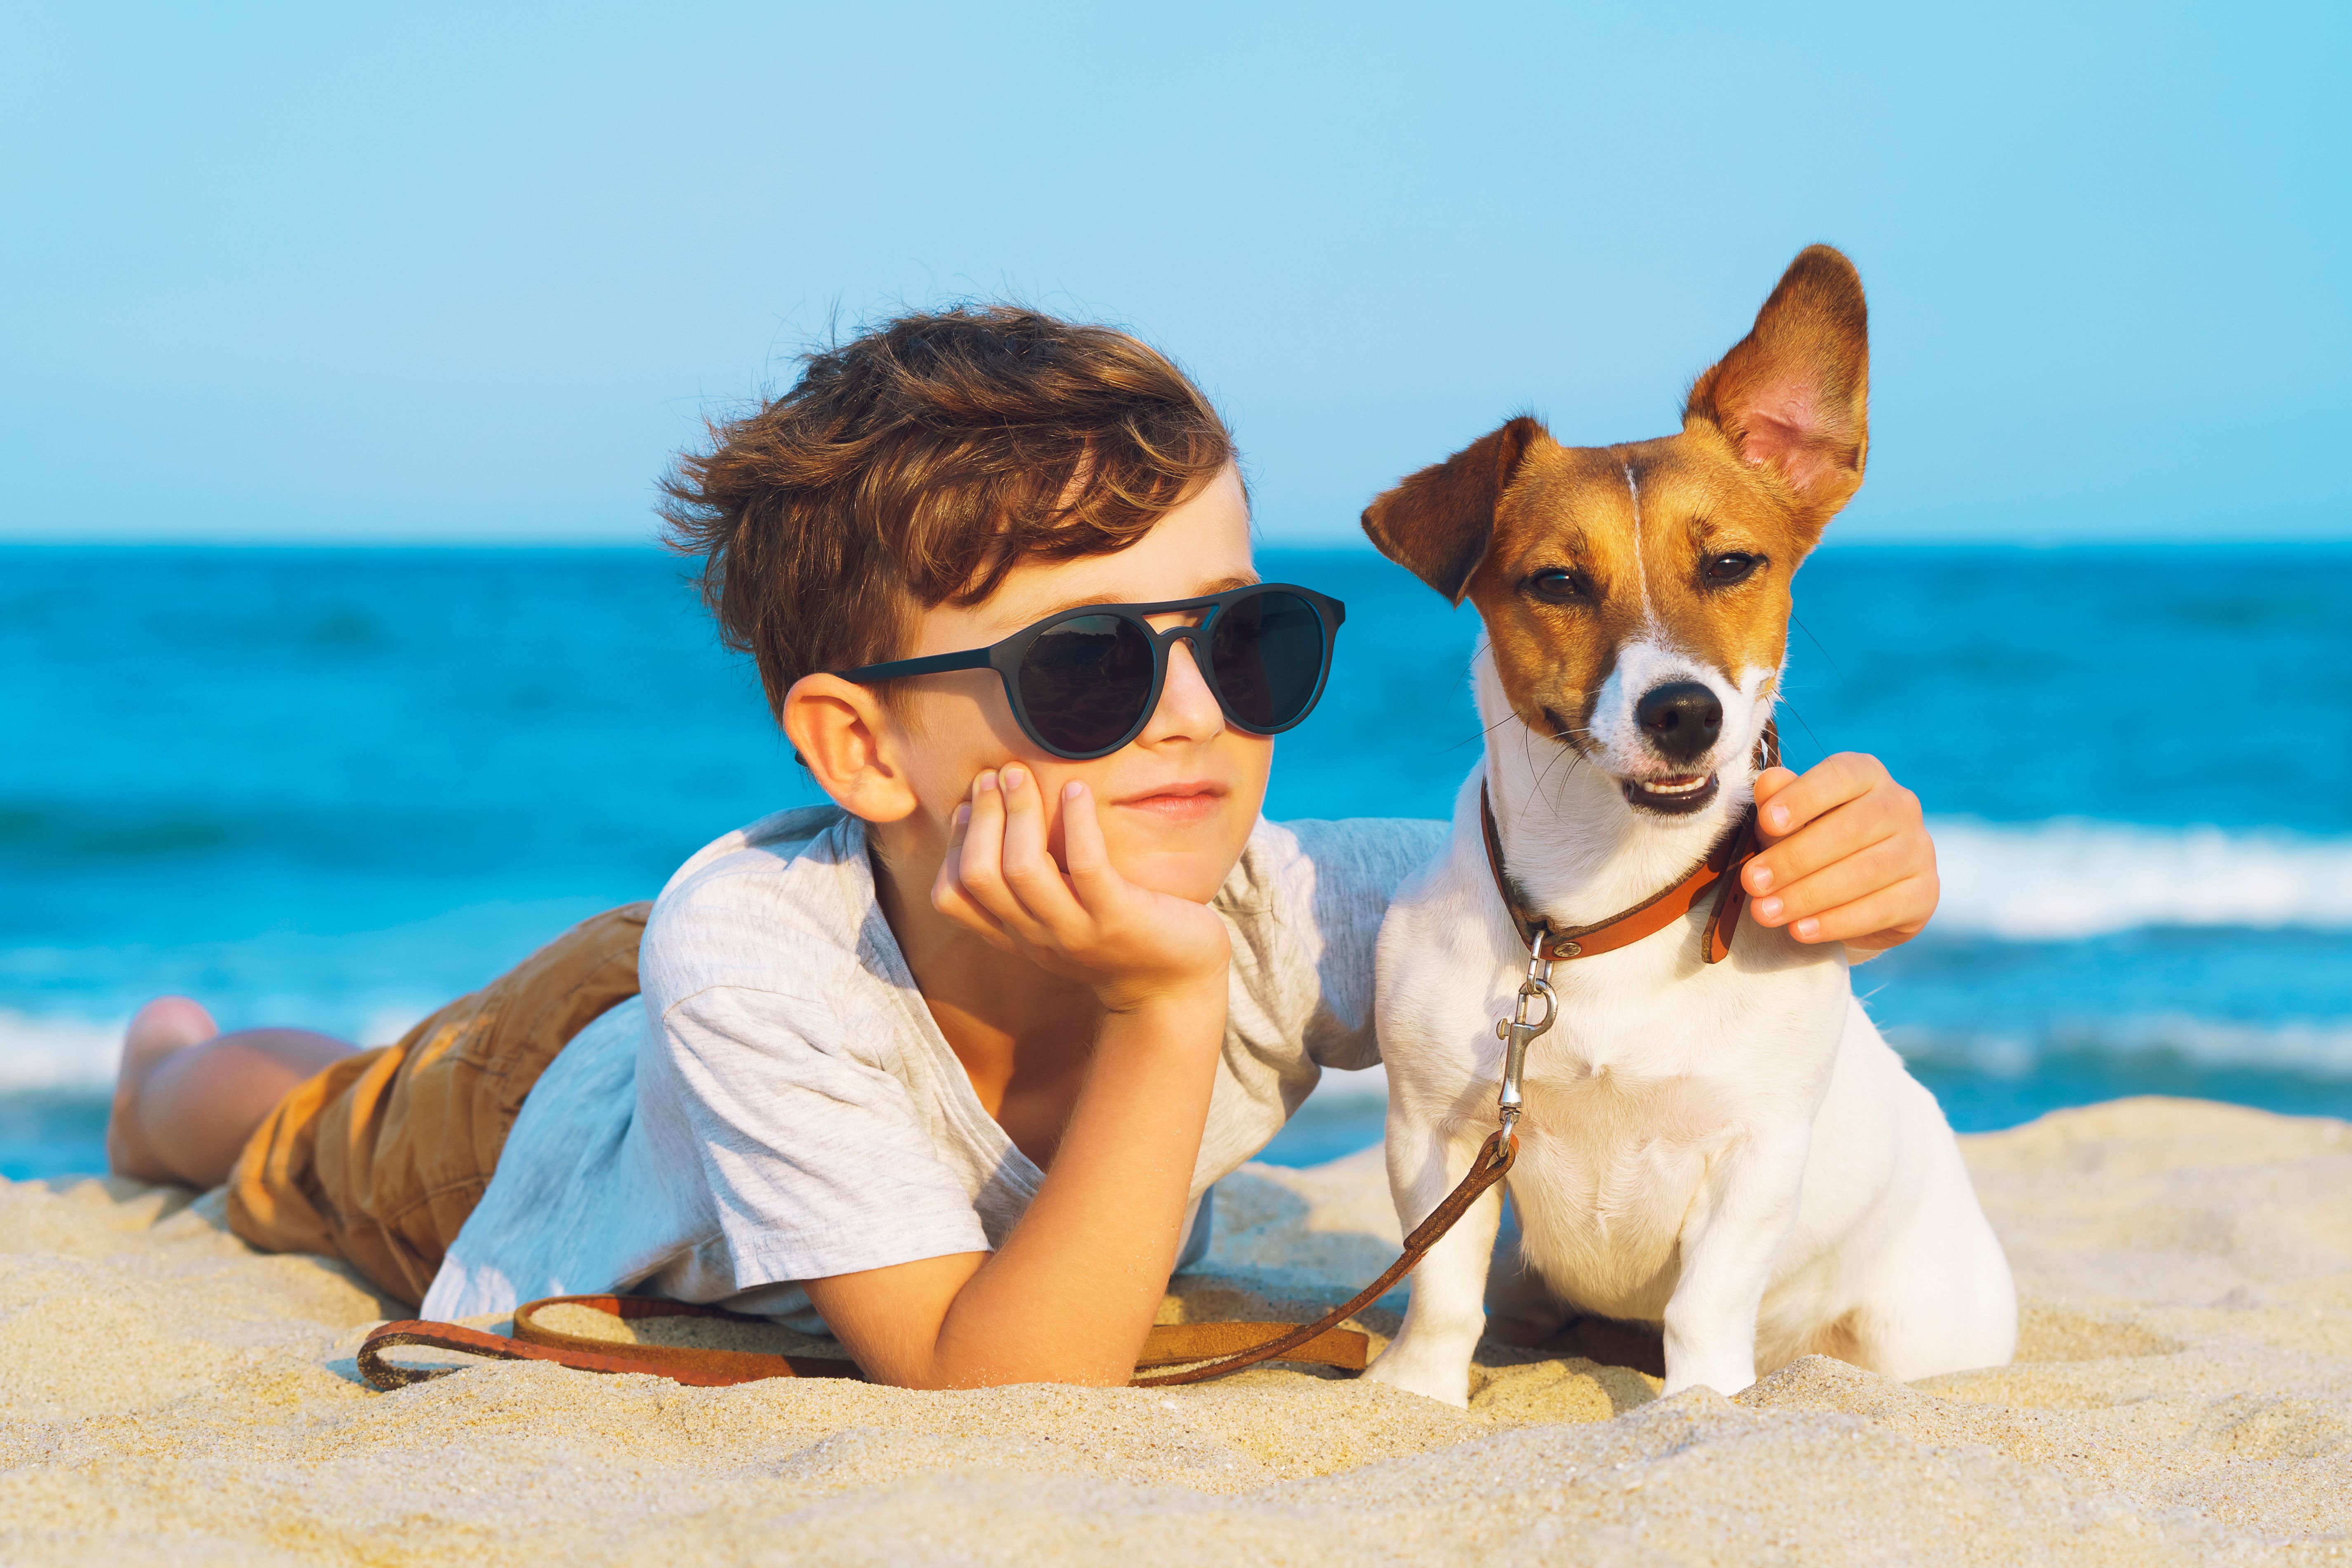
(1445, 1379)
(1727, 1374)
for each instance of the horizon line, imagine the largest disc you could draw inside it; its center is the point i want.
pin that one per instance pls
(1327, 546)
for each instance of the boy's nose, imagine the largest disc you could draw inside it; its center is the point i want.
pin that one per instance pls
(1681, 719)
(1188, 709)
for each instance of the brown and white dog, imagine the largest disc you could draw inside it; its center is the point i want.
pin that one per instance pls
(1729, 1151)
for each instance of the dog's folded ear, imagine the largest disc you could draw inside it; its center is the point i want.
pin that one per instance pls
(1793, 395)
(1437, 523)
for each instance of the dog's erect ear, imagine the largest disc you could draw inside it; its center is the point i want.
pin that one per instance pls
(1437, 523)
(1793, 395)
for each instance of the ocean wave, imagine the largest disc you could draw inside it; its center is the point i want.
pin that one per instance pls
(72, 1054)
(67, 1053)
(2070, 878)
(1369, 1083)
(2309, 1049)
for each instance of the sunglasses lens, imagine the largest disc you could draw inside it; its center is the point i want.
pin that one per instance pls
(1084, 682)
(1268, 651)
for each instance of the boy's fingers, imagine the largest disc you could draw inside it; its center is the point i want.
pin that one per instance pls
(947, 894)
(993, 857)
(980, 864)
(1029, 871)
(1092, 878)
(1881, 914)
(1843, 834)
(954, 903)
(1823, 787)
(982, 840)
(959, 827)
(1860, 875)
(1888, 812)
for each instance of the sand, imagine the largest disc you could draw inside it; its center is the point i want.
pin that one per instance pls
(2183, 1394)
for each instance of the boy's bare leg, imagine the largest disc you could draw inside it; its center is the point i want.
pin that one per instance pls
(188, 1097)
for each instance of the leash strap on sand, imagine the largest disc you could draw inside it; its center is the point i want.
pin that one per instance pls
(1241, 1344)
(534, 1341)
(1493, 1162)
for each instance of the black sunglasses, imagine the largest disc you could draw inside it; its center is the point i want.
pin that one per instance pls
(1084, 682)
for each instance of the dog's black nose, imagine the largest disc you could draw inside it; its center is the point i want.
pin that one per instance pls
(1682, 719)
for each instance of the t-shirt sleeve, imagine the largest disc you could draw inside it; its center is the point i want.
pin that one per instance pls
(816, 1162)
(1339, 889)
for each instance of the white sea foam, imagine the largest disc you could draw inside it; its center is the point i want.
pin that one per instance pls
(1369, 1083)
(76, 1054)
(2056, 880)
(61, 1053)
(2312, 1048)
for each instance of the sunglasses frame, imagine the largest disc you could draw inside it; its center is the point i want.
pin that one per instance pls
(1005, 658)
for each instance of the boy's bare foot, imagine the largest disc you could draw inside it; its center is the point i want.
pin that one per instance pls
(165, 1025)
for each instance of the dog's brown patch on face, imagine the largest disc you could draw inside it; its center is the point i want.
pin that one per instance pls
(1574, 552)
(1596, 547)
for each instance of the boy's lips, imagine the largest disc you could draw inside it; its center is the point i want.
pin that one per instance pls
(1177, 802)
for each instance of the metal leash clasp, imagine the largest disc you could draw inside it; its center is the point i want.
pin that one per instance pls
(1515, 1031)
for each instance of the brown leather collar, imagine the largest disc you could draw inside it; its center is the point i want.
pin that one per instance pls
(1720, 870)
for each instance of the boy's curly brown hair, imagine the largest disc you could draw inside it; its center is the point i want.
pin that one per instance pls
(916, 464)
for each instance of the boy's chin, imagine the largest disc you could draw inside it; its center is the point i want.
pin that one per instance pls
(1183, 856)
(1194, 874)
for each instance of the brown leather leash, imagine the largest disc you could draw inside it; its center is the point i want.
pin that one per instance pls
(1218, 1349)
(1167, 1345)
(1494, 1161)
(1214, 1350)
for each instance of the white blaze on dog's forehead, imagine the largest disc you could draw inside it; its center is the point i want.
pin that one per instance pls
(1641, 572)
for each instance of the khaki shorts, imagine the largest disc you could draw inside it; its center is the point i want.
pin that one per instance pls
(379, 1158)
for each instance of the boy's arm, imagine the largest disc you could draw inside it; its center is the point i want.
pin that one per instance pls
(1848, 859)
(1071, 1295)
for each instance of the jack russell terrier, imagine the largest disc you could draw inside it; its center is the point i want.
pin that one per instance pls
(1727, 1148)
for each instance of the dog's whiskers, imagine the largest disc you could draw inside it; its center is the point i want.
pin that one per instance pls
(1816, 641)
(1572, 766)
(1576, 752)
(1481, 734)
(1800, 718)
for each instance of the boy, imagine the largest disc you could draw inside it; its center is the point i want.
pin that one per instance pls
(947, 1068)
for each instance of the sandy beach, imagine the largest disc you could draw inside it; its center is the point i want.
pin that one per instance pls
(2183, 1394)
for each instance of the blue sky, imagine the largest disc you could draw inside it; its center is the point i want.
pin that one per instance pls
(473, 273)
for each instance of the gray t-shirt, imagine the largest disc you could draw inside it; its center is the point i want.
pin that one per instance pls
(779, 1105)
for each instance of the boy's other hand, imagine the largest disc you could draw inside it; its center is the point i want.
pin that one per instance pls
(1847, 857)
(999, 881)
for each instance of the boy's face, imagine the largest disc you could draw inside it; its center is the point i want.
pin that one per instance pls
(1176, 804)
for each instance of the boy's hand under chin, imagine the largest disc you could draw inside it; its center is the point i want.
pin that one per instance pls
(1134, 946)
(1070, 1295)
(1847, 857)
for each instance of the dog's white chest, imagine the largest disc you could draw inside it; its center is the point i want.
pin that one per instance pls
(1655, 1069)
(1626, 1107)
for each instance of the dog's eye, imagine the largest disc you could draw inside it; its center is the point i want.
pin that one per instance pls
(1557, 585)
(1723, 571)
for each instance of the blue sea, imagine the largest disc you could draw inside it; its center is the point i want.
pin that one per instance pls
(338, 787)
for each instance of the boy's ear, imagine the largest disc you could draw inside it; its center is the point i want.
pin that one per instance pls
(1793, 395)
(850, 744)
(1437, 523)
